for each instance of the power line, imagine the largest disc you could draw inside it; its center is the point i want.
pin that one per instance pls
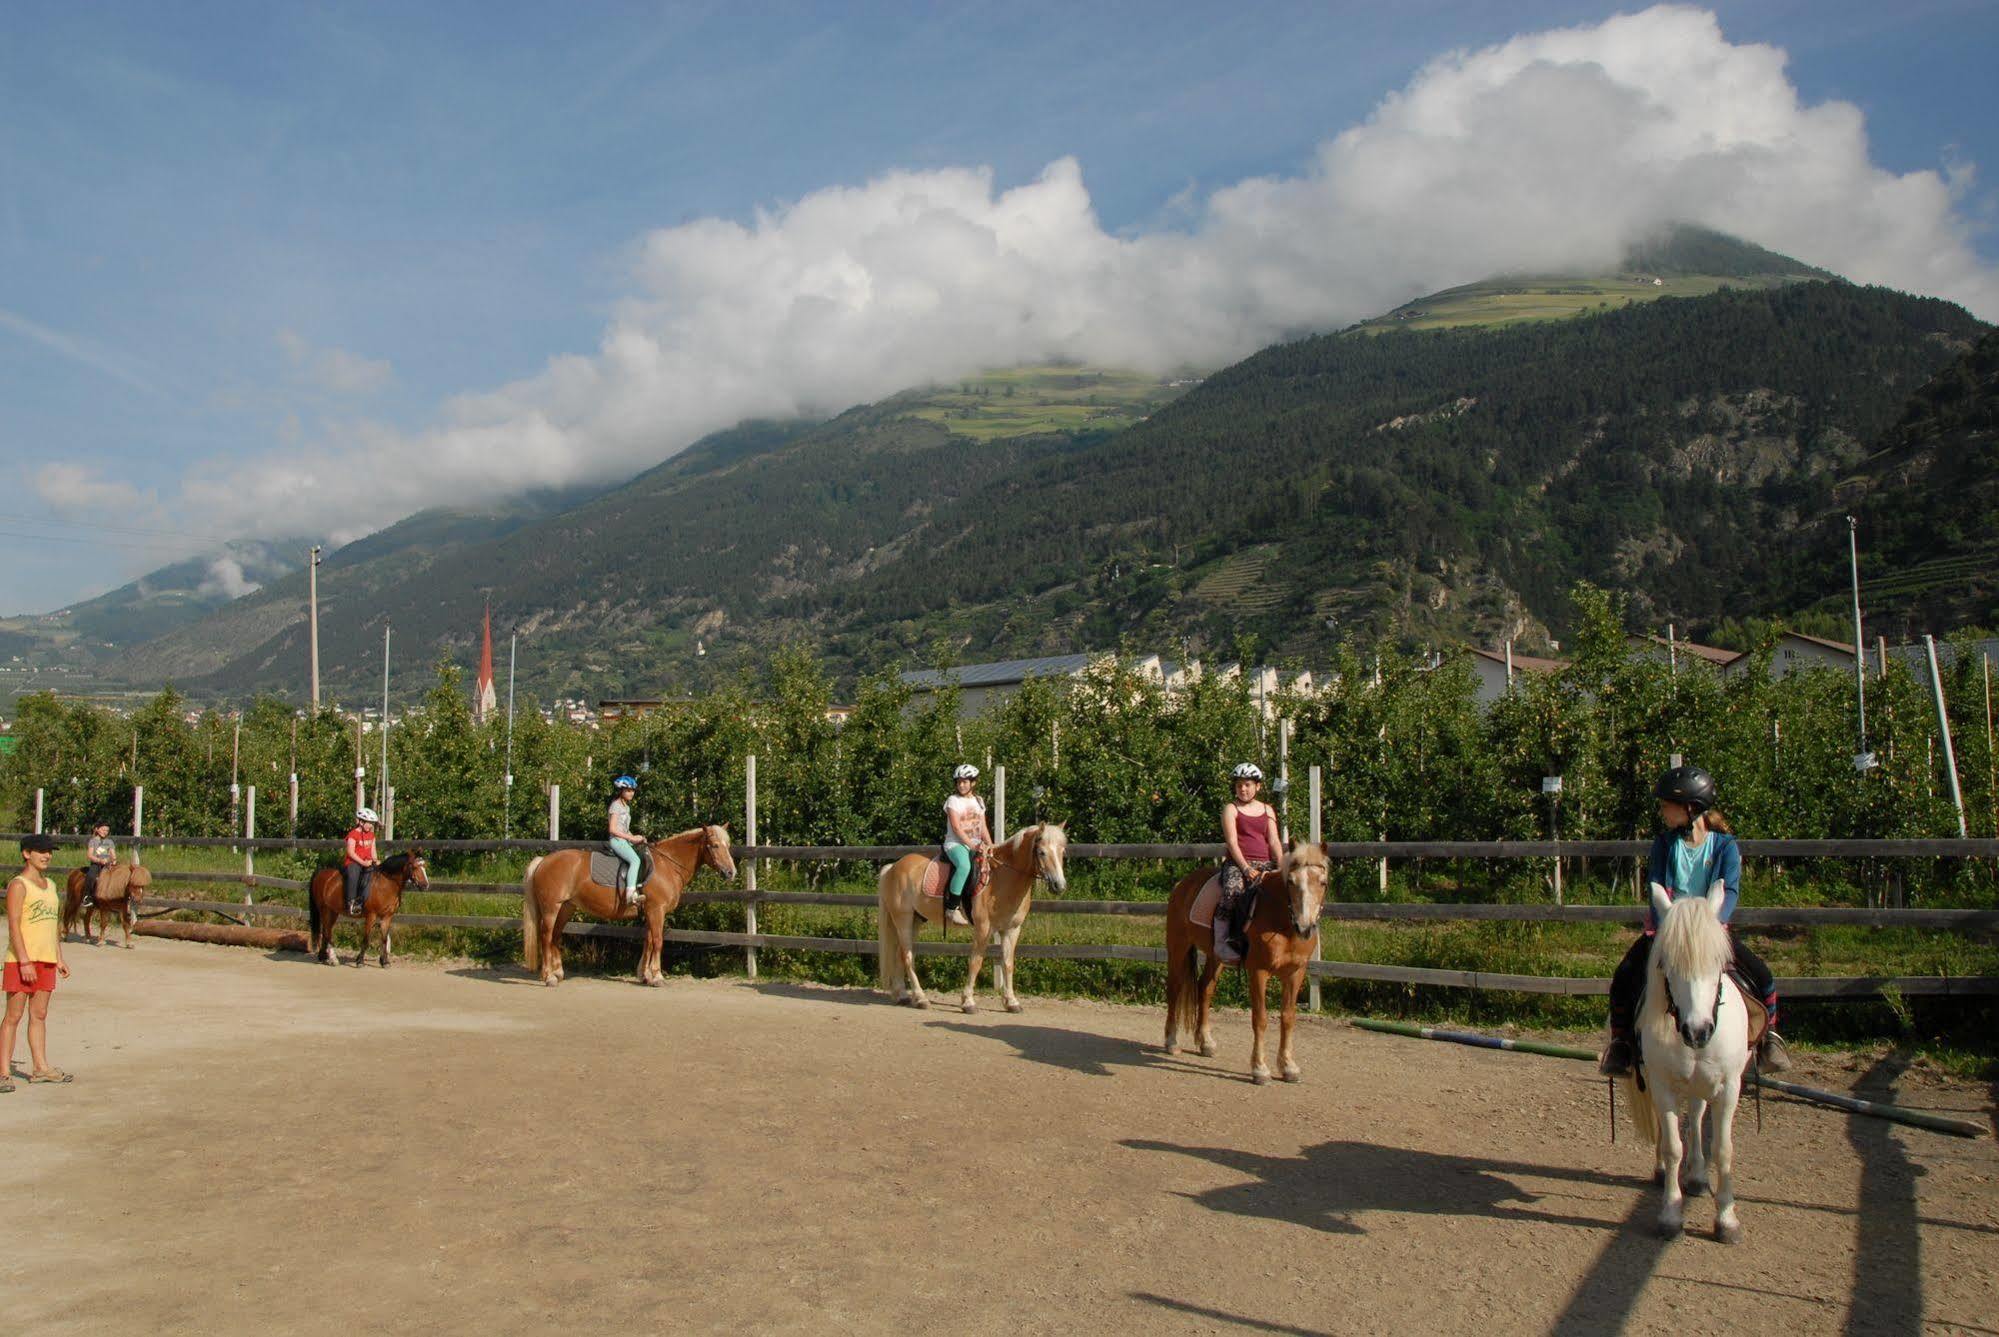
(122, 528)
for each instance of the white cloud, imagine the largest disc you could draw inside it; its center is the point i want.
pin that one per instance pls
(1548, 151)
(225, 577)
(70, 490)
(334, 370)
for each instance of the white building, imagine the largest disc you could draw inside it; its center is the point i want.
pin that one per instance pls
(1497, 670)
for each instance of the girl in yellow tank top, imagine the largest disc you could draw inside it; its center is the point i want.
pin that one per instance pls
(34, 961)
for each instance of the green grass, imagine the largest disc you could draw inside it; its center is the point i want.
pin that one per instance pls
(1512, 301)
(1026, 401)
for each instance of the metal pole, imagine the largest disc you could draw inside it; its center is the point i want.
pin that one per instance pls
(389, 815)
(235, 771)
(750, 865)
(292, 830)
(1312, 784)
(507, 788)
(1943, 727)
(1859, 639)
(999, 803)
(382, 780)
(312, 601)
(38, 809)
(1509, 664)
(249, 851)
(1991, 759)
(1284, 779)
(1672, 651)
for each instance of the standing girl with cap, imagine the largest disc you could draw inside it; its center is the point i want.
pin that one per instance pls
(34, 961)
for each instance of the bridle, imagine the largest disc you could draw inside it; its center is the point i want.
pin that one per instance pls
(1037, 872)
(688, 870)
(1673, 1008)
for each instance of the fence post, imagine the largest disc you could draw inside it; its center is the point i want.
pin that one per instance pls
(249, 833)
(360, 788)
(38, 812)
(555, 812)
(389, 817)
(750, 865)
(1313, 789)
(999, 803)
(292, 830)
(138, 818)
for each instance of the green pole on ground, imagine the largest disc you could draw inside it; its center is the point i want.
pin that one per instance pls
(1936, 1123)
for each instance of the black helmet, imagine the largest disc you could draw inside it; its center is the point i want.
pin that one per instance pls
(1687, 785)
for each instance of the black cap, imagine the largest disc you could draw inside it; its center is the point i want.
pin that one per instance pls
(46, 844)
(1687, 785)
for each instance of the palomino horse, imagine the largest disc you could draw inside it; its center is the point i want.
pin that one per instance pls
(120, 888)
(1693, 1045)
(326, 898)
(1029, 853)
(1282, 929)
(555, 885)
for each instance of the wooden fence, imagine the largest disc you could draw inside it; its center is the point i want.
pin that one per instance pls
(1813, 987)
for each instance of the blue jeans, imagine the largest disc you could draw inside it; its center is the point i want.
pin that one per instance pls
(961, 867)
(630, 858)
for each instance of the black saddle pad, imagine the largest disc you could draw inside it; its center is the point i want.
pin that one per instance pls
(608, 870)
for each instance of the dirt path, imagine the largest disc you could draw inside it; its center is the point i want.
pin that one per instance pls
(792, 1158)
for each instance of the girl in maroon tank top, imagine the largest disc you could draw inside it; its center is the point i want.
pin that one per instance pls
(1249, 829)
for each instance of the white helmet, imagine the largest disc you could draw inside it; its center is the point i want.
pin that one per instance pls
(966, 772)
(1249, 770)
(366, 815)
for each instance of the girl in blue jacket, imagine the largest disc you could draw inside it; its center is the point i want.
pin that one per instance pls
(1695, 851)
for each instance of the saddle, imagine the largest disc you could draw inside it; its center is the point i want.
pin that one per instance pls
(608, 870)
(111, 883)
(1759, 1015)
(1208, 904)
(937, 878)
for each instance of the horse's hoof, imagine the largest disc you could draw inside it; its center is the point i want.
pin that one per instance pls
(920, 1004)
(1730, 1233)
(1171, 1047)
(1696, 1188)
(384, 963)
(1208, 1049)
(1261, 1077)
(1671, 1230)
(128, 946)
(1294, 1075)
(549, 983)
(968, 1008)
(1015, 1006)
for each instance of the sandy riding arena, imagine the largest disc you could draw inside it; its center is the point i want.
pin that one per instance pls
(257, 1144)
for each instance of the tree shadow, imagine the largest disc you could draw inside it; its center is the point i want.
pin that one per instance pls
(1223, 1316)
(1604, 1299)
(1887, 1265)
(514, 975)
(854, 996)
(1326, 1187)
(1086, 1052)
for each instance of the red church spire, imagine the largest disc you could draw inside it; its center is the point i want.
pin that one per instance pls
(484, 699)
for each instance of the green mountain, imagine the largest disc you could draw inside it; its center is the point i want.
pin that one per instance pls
(1681, 261)
(1418, 485)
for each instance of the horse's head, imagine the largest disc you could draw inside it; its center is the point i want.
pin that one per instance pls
(1304, 871)
(715, 851)
(1051, 848)
(417, 872)
(1689, 955)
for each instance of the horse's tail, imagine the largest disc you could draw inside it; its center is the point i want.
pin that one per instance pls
(1644, 1114)
(312, 910)
(888, 957)
(530, 917)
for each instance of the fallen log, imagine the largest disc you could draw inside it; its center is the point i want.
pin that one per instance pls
(230, 935)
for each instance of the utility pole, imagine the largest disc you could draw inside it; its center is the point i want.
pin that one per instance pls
(312, 601)
(1863, 761)
(507, 789)
(382, 780)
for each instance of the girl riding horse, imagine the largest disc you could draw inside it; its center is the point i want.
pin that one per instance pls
(1249, 829)
(624, 841)
(965, 831)
(1695, 852)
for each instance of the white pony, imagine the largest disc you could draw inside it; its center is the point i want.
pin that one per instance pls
(1693, 1045)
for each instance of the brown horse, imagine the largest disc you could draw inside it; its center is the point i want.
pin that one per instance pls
(326, 899)
(120, 888)
(1031, 852)
(1282, 930)
(555, 885)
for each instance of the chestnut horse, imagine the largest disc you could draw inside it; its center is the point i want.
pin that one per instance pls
(120, 888)
(555, 885)
(326, 899)
(1031, 852)
(1282, 930)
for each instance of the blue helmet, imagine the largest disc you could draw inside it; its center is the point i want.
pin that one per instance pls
(625, 782)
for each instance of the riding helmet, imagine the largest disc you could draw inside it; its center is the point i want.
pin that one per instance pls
(1689, 786)
(366, 815)
(966, 772)
(1249, 770)
(625, 782)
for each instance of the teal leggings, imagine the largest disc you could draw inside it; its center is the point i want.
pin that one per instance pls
(961, 867)
(630, 857)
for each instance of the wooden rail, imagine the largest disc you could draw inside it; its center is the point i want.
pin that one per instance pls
(1847, 988)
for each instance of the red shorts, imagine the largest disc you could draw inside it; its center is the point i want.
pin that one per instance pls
(45, 978)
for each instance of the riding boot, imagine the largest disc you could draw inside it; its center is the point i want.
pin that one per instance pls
(954, 909)
(1773, 1053)
(1620, 1056)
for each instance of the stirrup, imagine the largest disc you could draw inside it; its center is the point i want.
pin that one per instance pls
(1618, 1059)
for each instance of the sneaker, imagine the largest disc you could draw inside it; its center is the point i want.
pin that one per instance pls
(954, 910)
(1774, 1054)
(1617, 1058)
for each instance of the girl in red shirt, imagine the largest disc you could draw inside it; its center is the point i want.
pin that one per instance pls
(360, 857)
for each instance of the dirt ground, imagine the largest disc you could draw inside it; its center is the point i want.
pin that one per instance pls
(259, 1144)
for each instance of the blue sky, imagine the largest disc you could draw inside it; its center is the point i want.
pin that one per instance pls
(227, 230)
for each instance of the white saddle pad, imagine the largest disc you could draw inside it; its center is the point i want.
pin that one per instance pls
(1202, 912)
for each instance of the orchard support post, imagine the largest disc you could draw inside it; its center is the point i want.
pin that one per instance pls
(249, 833)
(38, 812)
(555, 812)
(999, 803)
(1313, 782)
(750, 865)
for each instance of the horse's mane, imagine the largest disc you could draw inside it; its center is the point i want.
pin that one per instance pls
(396, 863)
(1691, 944)
(1306, 854)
